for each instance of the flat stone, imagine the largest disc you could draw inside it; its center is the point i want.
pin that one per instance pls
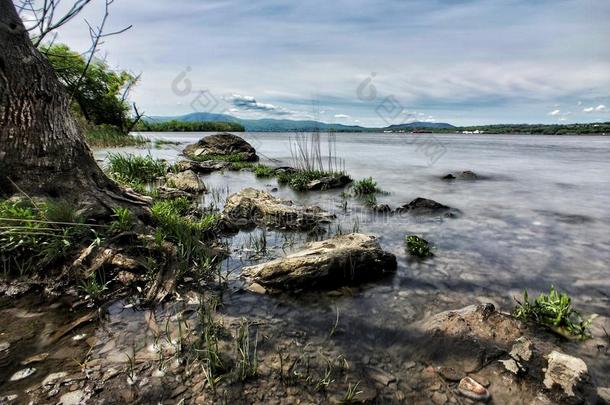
(186, 181)
(4, 346)
(470, 388)
(257, 288)
(53, 377)
(73, 398)
(449, 373)
(21, 374)
(35, 359)
(522, 350)
(511, 365)
(379, 375)
(566, 371)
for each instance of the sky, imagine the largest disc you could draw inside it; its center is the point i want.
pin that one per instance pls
(363, 62)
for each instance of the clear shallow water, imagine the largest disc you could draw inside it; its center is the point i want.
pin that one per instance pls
(538, 217)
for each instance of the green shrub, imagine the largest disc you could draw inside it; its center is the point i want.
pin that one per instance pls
(299, 180)
(554, 310)
(417, 246)
(123, 221)
(107, 136)
(365, 187)
(233, 157)
(264, 171)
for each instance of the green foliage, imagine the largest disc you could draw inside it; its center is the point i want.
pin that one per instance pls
(99, 92)
(365, 187)
(534, 129)
(299, 179)
(264, 171)
(417, 246)
(135, 169)
(123, 221)
(186, 232)
(34, 237)
(108, 136)
(195, 126)
(247, 361)
(555, 311)
(233, 157)
(242, 165)
(93, 288)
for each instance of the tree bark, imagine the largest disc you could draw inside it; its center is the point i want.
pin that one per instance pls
(42, 151)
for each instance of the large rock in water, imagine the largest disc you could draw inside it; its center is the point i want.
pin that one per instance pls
(251, 207)
(222, 144)
(424, 206)
(342, 260)
(186, 181)
(205, 167)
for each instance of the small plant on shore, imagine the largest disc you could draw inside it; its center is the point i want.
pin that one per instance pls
(365, 187)
(351, 393)
(108, 136)
(247, 361)
(123, 220)
(93, 288)
(554, 310)
(232, 157)
(417, 246)
(264, 171)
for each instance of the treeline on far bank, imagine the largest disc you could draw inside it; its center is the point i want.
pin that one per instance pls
(536, 129)
(195, 126)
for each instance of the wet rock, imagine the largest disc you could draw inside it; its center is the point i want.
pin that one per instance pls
(257, 288)
(449, 373)
(185, 181)
(342, 260)
(222, 144)
(73, 398)
(521, 353)
(512, 366)
(4, 346)
(205, 167)
(424, 206)
(166, 193)
(126, 277)
(329, 182)
(469, 388)
(35, 359)
(53, 378)
(465, 175)
(7, 399)
(569, 374)
(382, 208)
(379, 375)
(603, 394)
(22, 374)
(250, 207)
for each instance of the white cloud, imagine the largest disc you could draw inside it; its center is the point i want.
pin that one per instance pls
(342, 116)
(555, 112)
(599, 108)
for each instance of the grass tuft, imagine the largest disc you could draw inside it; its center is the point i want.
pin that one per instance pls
(135, 168)
(366, 186)
(417, 246)
(554, 310)
(107, 136)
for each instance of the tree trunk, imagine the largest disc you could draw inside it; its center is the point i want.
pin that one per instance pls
(42, 152)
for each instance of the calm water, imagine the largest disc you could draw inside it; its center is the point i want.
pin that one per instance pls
(538, 217)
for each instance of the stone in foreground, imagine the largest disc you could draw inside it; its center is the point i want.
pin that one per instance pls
(185, 181)
(566, 372)
(222, 144)
(342, 260)
(424, 206)
(205, 167)
(251, 207)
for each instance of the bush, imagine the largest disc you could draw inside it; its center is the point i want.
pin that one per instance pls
(554, 310)
(264, 171)
(365, 187)
(299, 180)
(135, 168)
(417, 246)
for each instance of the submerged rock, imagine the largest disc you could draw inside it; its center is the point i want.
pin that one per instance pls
(166, 193)
(424, 206)
(465, 175)
(21, 374)
(185, 181)
(342, 260)
(473, 390)
(222, 144)
(251, 207)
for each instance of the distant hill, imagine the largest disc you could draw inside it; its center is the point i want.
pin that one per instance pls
(276, 125)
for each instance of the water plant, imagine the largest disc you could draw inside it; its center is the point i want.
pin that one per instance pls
(365, 187)
(554, 310)
(264, 171)
(351, 393)
(231, 157)
(417, 246)
(246, 351)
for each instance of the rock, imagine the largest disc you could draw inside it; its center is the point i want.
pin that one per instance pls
(7, 399)
(4, 346)
(168, 193)
(449, 373)
(379, 375)
(185, 181)
(342, 260)
(222, 144)
(126, 277)
(521, 353)
(465, 175)
(35, 359)
(383, 208)
(21, 374)
(53, 378)
(512, 366)
(250, 207)
(257, 288)
(473, 390)
(73, 398)
(424, 206)
(603, 393)
(205, 167)
(326, 183)
(568, 373)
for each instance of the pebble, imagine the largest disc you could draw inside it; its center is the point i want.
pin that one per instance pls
(21, 374)
(473, 390)
(35, 359)
(79, 337)
(72, 398)
(51, 378)
(4, 346)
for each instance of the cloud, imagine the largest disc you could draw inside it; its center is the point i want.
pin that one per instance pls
(249, 103)
(599, 108)
(555, 112)
(342, 116)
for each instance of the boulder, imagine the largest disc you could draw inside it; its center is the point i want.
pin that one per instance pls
(251, 207)
(424, 206)
(167, 193)
(186, 181)
(326, 183)
(222, 144)
(342, 260)
(205, 167)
